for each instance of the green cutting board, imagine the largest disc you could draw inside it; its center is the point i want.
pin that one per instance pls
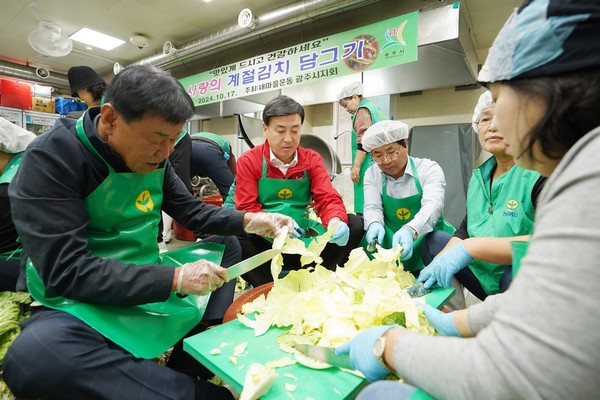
(331, 383)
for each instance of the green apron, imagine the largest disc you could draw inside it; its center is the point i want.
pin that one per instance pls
(6, 177)
(376, 116)
(502, 209)
(123, 226)
(290, 197)
(398, 212)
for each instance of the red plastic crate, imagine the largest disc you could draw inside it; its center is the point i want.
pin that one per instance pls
(15, 94)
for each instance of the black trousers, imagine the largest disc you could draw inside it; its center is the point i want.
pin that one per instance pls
(57, 356)
(9, 273)
(333, 255)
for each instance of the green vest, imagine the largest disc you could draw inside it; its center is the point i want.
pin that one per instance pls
(398, 212)
(290, 197)
(124, 212)
(216, 139)
(7, 176)
(503, 210)
(376, 116)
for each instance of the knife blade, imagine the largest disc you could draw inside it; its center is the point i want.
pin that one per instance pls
(371, 246)
(325, 354)
(250, 263)
(417, 290)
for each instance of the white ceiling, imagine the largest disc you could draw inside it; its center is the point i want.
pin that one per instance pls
(184, 21)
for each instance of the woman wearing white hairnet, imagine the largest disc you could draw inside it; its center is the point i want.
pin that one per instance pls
(13, 141)
(539, 339)
(501, 204)
(404, 196)
(364, 114)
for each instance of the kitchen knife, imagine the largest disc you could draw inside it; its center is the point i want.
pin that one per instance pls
(371, 246)
(250, 263)
(324, 354)
(418, 289)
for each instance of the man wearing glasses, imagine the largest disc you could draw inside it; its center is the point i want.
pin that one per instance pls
(404, 196)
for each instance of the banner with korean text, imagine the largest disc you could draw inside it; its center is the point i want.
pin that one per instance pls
(382, 44)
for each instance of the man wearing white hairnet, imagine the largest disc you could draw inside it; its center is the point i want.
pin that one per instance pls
(501, 202)
(13, 141)
(364, 114)
(404, 196)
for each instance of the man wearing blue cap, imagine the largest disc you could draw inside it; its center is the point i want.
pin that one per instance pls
(539, 339)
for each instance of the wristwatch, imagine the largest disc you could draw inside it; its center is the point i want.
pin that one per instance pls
(379, 348)
(414, 232)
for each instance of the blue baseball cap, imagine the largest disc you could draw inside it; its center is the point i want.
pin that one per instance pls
(544, 38)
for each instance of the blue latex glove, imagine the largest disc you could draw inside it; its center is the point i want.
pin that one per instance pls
(361, 353)
(376, 232)
(444, 266)
(441, 321)
(404, 238)
(297, 232)
(341, 236)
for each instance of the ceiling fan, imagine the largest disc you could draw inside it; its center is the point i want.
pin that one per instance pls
(49, 40)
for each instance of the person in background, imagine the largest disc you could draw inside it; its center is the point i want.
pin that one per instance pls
(364, 114)
(180, 160)
(282, 176)
(212, 157)
(86, 84)
(404, 196)
(201, 154)
(501, 202)
(86, 203)
(539, 339)
(13, 141)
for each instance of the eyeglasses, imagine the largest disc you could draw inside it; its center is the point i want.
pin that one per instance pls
(392, 156)
(485, 120)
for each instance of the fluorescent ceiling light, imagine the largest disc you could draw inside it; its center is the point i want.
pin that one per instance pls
(207, 1)
(96, 39)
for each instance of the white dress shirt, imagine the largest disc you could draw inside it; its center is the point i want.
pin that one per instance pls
(283, 167)
(433, 184)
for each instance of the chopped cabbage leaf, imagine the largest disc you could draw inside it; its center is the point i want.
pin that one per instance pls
(258, 381)
(327, 308)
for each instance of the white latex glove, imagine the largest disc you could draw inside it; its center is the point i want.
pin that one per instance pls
(269, 224)
(200, 278)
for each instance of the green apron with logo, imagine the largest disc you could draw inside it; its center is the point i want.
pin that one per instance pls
(290, 197)
(502, 210)
(123, 226)
(376, 116)
(6, 177)
(398, 212)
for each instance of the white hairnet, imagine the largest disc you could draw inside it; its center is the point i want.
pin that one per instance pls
(382, 133)
(13, 138)
(350, 90)
(485, 101)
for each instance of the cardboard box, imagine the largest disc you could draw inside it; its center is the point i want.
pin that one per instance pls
(42, 104)
(15, 94)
